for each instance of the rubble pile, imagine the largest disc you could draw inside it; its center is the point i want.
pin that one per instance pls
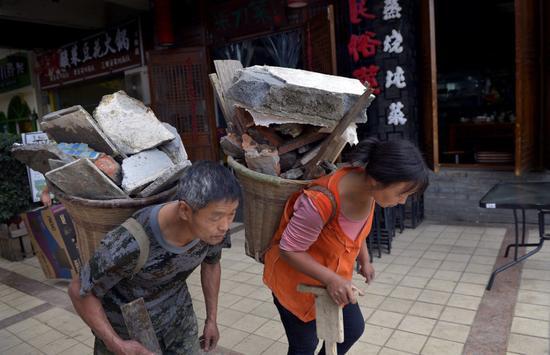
(286, 122)
(123, 151)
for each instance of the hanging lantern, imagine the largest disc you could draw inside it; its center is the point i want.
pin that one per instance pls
(295, 4)
(163, 22)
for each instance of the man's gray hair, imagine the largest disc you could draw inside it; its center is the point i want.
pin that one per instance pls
(205, 182)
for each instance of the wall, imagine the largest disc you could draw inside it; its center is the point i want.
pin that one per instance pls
(454, 194)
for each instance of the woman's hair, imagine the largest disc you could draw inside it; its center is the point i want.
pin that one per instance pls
(390, 162)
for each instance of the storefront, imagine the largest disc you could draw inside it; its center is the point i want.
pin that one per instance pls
(80, 73)
(19, 101)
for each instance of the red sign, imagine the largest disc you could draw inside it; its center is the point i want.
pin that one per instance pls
(111, 51)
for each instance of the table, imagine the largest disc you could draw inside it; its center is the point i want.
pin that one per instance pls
(519, 196)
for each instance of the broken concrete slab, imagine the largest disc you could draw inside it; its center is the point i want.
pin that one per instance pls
(175, 148)
(76, 125)
(143, 168)
(168, 178)
(36, 156)
(82, 178)
(55, 163)
(129, 124)
(265, 161)
(295, 96)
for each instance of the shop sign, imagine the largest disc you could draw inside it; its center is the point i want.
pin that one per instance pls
(114, 50)
(363, 48)
(14, 72)
(232, 18)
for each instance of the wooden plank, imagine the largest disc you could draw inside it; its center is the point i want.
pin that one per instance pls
(428, 84)
(139, 325)
(300, 141)
(348, 118)
(218, 92)
(226, 70)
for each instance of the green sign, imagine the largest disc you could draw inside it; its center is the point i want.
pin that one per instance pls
(14, 72)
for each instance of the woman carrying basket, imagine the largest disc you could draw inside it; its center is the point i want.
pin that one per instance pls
(322, 233)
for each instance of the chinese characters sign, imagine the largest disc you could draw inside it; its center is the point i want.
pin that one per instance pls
(369, 42)
(114, 50)
(14, 72)
(237, 17)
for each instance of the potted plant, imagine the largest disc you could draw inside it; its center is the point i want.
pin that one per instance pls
(14, 195)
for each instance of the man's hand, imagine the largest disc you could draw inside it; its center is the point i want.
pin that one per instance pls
(210, 336)
(367, 271)
(341, 291)
(130, 347)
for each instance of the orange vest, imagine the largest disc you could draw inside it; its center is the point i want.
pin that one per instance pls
(332, 249)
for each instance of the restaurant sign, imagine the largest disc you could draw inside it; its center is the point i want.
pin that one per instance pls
(113, 50)
(14, 72)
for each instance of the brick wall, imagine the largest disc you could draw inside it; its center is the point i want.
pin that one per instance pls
(454, 194)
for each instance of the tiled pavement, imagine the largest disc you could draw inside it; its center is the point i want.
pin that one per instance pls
(424, 300)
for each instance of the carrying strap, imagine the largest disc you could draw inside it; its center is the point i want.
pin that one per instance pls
(325, 191)
(136, 230)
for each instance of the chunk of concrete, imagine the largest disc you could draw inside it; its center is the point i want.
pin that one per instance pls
(76, 125)
(143, 168)
(55, 163)
(284, 95)
(168, 178)
(129, 124)
(36, 156)
(175, 148)
(82, 178)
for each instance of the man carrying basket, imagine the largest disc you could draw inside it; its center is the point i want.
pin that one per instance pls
(182, 235)
(322, 233)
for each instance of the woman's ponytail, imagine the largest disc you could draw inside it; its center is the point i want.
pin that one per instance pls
(364, 151)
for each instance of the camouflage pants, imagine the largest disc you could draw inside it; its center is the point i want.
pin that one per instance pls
(183, 340)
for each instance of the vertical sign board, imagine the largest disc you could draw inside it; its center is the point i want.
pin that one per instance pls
(381, 51)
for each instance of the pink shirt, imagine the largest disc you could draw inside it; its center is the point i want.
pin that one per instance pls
(306, 224)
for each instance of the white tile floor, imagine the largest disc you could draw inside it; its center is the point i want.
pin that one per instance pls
(423, 301)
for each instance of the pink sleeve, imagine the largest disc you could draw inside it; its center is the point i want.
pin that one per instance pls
(304, 226)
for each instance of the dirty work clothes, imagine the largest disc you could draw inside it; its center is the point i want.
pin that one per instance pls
(302, 336)
(161, 282)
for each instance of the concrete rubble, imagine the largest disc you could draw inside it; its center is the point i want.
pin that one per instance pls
(76, 125)
(141, 169)
(129, 124)
(167, 179)
(36, 156)
(175, 148)
(289, 121)
(82, 178)
(124, 152)
(284, 95)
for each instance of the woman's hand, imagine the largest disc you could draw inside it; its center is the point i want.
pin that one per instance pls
(367, 271)
(341, 291)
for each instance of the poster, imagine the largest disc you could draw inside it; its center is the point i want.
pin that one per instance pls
(37, 181)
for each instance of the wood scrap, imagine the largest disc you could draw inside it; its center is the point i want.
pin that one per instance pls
(139, 325)
(226, 110)
(301, 141)
(348, 118)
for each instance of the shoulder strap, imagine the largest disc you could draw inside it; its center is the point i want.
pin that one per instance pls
(327, 193)
(136, 229)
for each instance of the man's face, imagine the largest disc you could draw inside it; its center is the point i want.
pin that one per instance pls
(210, 223)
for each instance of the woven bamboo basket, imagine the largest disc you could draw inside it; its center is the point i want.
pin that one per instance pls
(264, 198)
(92, 219)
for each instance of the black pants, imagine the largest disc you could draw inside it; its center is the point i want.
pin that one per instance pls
(302, 336)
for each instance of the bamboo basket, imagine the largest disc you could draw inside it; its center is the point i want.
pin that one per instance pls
(92, 219)
(264, 198)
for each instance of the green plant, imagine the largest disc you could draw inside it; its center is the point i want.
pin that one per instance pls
(18, 108)
(14, 184)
